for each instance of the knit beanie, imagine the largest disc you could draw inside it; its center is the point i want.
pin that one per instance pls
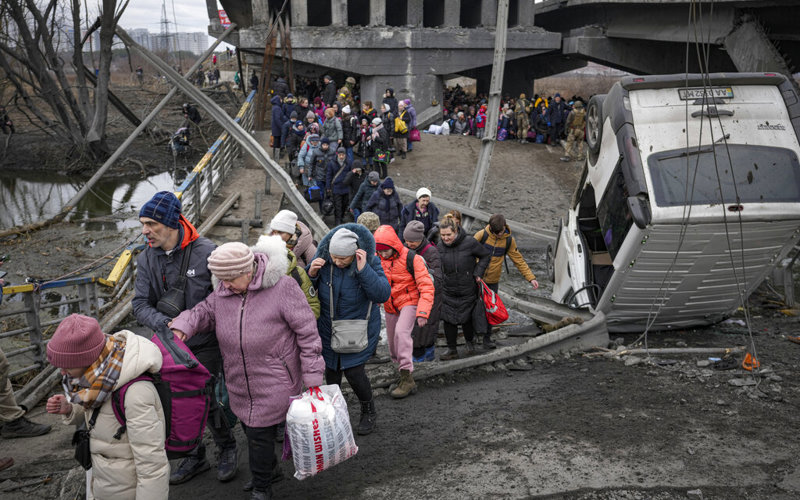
(386, 107)
(326, 140)
(284, 221)
(310, 114)
(346, 109)
(77, 342)
(344, 243)
(414, 231)
(387, 183)
(293, 116)
(313, 138)
(369, 220)
(423, 192)
(376, 121)
(163, 207)
(497, 223)
(231, 260)
(374, 176)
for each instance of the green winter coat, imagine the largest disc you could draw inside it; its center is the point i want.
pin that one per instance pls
(305, 283)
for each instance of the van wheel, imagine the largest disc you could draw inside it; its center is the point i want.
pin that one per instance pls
(550, 263)
(594, 123)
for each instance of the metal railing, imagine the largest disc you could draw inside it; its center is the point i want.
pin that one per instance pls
(36, 315)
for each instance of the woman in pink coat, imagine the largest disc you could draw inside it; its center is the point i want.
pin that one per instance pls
(269, 342)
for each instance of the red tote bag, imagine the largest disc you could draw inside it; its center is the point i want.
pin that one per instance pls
(414, 135)
(496, 311)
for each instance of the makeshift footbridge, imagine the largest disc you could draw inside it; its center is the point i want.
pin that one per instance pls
(36, 317)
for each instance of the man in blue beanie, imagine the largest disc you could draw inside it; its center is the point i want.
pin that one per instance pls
(170, 238)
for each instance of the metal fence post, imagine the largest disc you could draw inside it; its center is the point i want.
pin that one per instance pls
(32, 301)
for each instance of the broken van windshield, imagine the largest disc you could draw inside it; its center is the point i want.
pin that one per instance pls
(757, 174)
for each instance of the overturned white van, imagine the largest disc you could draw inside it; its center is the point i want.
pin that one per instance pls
(690, 195)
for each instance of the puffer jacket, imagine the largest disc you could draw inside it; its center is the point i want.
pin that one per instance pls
(337, 185)
(497, 249)
(278, 117)
(319, 163)
(269, 342)
(332, 129)
(306, 153)
(302, 245)
(462, 261)
(426, 335)
(363, 195)
(275, 249)
(387, 208)
(353, 290)
(134, 466)
(149, 285)
(353, 182)
(407, 290)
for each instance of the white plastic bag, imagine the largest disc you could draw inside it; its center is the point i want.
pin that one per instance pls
(318, 426)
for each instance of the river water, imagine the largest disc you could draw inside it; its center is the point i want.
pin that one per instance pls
(33, 196)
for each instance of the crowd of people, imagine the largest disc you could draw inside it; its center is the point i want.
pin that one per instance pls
(265, 322)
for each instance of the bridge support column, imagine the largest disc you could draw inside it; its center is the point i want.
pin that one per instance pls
(377, 13)
(525, 13)
(452, 13)
(751, 50)
(414, 14)
(489, 13)
(338, 12)
(299, 13)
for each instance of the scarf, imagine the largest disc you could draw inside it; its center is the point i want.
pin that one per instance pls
(375, 131)
(97, 383)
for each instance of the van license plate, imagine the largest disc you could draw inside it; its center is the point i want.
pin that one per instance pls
(700, 93)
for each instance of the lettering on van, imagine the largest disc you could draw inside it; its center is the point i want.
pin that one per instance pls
(767, 126)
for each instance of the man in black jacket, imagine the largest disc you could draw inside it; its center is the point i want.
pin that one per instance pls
(329, 93)
(169, 237)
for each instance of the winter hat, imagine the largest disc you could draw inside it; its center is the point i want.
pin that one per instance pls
(77, 342)
(374, 176)
(369, 220)
(327, 77)
(388, 183)
(344, 243)
(230, 260)
(557, 95)
(310, 114)
(414, 231)
(386, 107)
(423, 191)
(313, 138)
(163, 207)
(284, 221)
(578, 105)
(382, 246)
(317, 100)
(326, 140)
(293, 116)
(497, 223)
(407, 102)
(346, 109)
(341, 150)
(376, 121)
(350, 79)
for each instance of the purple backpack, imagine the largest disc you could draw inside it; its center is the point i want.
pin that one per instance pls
(185, 395)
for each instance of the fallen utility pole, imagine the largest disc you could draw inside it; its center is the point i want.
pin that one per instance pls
(495, 88)
(245, 139)
(519, 228)
(115, 156)
(681, 350)
(542, 309)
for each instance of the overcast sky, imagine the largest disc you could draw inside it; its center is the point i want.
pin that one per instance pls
(191, 15)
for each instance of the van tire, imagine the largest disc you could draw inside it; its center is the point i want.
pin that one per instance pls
(550, 263)
(594, 123)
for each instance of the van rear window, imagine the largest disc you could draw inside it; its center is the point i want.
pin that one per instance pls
(760, 174)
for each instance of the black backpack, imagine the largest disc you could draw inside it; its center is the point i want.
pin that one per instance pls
(508, 246)
(410, 265)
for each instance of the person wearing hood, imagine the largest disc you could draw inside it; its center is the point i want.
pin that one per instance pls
(421, 209)
(365, 191)
(304, 158)
(480, 122)
(391, 100)
(464, 263)
(170, 237)
(425, 336)
(319, 108)
(386, 204)
(280, 88)
(379, 141)
(320, 161)
(346, 93)
(295, 234)
(329, 92)
(408, 306)
(350, 284)
(290, 104)
(412, 113)
(338, 169)
(93, 365)
(287, 126)
(278, 120)
(400, 137)
(271, 348)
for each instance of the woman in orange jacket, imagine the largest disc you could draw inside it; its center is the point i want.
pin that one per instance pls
(411, 300)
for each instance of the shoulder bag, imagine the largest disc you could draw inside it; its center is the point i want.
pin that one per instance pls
(80, 440)
(173, 302)
(347, 335)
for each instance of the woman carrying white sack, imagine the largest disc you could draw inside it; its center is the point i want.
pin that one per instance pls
(269, 342)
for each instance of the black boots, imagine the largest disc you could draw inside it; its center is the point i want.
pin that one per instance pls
(488, 343)
(368, 418)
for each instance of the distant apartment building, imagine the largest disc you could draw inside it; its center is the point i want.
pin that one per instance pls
(195, 43)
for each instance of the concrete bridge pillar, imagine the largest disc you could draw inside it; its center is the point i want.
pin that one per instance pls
(414, 15)
(525, 13)
(422, 89)
(452, 13)
(489, 13)
(377, 12)
(299, 13)
(338, 12)
(260, 11)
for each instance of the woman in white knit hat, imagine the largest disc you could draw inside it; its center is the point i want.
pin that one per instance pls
(297, 236)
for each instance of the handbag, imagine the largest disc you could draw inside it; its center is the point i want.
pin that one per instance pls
(496, 311)
(414, 135)
(173, 302)
(80, 440)
(348, 335)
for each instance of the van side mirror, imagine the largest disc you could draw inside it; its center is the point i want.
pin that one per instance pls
(639, 208)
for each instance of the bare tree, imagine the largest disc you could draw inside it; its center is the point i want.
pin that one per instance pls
(33, 64)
